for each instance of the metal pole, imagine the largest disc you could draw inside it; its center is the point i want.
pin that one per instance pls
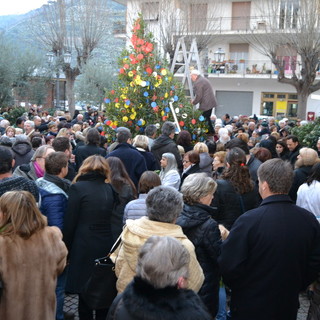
(58, 91)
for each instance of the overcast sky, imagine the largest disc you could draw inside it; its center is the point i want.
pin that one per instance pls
(19, 6)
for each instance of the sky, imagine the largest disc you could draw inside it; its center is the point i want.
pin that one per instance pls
(19, 6)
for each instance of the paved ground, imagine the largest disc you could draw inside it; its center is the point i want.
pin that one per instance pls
(71, 304)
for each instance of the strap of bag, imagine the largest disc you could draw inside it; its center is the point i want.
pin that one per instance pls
(115, 245)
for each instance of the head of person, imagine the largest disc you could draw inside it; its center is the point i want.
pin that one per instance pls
(269, 181)
(195, 75)
(237, 171)
(190, 158)
(4, 123)
(28, 126)
(201, 147)
(263, 154)
(184, 138)
(37, 121)
(198, 188)
(219, 160)
(148, 181)
(124, 136)
(119, 175)
(292, 142)
(6, 160)
(52, 127)
(163, 262)
(164, 204)
(56, 164)
(314, 174)
(306, 157)
(48, 140)
(151, 131)
(10, 132)
(40, 155)
(141, 141)
(93, 137)
(212, 146)
(6, 141)
(19, 215)
(62, 144)
(94, 164)
(238, 143)
(20, 122)
(36, 142)
(281, 147)
(168, 162)
(168, 129)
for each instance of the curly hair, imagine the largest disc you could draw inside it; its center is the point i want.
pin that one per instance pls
(237, 172)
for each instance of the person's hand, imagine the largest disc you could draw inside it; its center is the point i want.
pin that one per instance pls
(72, 158)
(224, 232)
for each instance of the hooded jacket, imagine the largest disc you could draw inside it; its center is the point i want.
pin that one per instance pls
(22, 152)
(134, 236)
(165, 144)
(204, 233)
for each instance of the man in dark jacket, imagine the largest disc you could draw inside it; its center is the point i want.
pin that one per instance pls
(22, 151)
(272, 252)
(132, 159)
(165, 143)
(204, 96)
(294, 148)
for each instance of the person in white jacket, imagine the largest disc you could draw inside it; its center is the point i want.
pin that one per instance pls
(308, 195)
(169, 174)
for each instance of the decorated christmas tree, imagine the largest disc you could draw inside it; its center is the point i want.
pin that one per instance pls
(147, 93)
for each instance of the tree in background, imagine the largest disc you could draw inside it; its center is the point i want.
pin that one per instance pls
(291, 39)
(145, 89)
(76, 27)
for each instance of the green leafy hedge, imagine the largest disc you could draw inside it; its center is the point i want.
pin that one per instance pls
(308, 134)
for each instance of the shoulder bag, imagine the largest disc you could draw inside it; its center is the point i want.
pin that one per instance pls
(100, 290)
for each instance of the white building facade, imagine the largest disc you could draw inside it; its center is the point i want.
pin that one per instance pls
(245, 81)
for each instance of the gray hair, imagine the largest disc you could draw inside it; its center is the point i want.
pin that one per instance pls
(4, 123)
(31, 123)
(162, 261)
(164, 204)
(168, 127)
(171, 164)
(141, 141)
(151, 129)
(197, 186)
(40, 152)
(278, 174)
(123, 135)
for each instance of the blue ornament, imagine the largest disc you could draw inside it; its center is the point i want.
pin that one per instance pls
(166, 109)
(201, 118)
(175, 98)
(147, 83)
(146, 94)
(194, 137)
(201, 139)
(147, 100)
(107, 100)
(139, 123)
(141, 130)
(144, 72)
(157, 66)
(172, 87)
(153, 104)
(128, 102)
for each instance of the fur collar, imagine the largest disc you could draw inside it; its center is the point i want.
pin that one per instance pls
(143, 301)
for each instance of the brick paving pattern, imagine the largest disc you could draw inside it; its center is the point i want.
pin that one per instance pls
(71, 304)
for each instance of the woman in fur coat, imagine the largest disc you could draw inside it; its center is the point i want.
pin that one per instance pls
(158, 291)
(31, 255)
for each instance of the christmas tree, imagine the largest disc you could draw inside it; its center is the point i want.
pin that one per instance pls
(147, 93)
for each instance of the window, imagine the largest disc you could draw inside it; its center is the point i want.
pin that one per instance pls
(288, 14)
(150, 11)
(279, 104)
(239, 53)
(288, 56)
(240, 15)
(198, 17)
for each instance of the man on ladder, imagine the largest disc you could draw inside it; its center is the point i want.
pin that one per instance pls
(204, 96)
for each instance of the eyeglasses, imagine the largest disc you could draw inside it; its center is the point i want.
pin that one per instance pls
(186, 161)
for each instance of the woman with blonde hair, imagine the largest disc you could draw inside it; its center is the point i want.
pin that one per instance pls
(88, 226)
(205, 164)
(32, 255)
(218, 164)
(306, 159)
(141, 142)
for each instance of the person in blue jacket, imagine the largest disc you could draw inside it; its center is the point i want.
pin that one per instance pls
(53, 190)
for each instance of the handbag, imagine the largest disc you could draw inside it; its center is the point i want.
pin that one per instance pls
(100, 289)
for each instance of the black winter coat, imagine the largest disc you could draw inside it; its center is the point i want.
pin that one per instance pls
(270, 255)
(194, 169)
(165, 144)
(229, 205)
(141, 301)
(87, 230)
(84, 152)
(198, 225)
(300, 177)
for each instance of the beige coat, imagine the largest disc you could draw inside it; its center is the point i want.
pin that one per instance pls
(134, 236)
(29, 270)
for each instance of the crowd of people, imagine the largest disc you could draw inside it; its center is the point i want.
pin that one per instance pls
(237, 214)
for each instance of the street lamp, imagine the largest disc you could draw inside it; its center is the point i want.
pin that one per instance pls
(55, 58)
(219, 55)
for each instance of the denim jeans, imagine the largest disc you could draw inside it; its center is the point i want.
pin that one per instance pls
(222, 312)
(61, 284)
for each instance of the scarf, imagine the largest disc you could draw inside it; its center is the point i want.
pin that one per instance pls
(39, 171)
(63, 184)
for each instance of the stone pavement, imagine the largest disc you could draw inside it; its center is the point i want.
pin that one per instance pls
(71, 304)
